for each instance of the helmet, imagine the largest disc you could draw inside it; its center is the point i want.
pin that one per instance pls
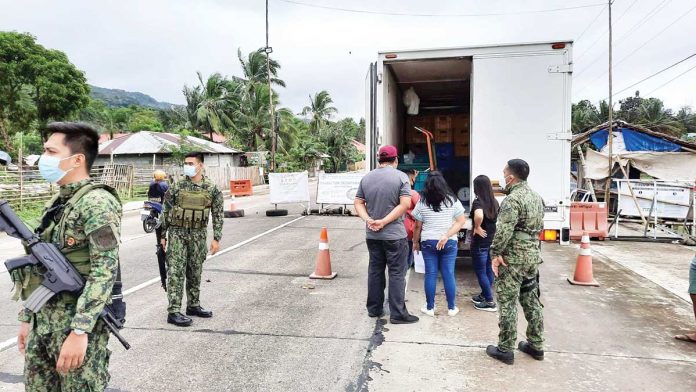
(159, 175)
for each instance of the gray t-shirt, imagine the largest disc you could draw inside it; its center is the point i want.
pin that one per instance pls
(381, 190)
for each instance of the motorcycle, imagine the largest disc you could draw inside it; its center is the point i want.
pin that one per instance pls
(150, 215)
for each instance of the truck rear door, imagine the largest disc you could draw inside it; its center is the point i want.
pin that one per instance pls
(521, 109)
(370, 119)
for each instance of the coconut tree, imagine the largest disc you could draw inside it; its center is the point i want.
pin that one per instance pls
(319, 111)
(255, 69)
(654, 116)
(208, 103)
(251, 114)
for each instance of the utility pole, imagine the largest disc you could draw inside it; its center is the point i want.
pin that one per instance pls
(274, 139)
(610, 136)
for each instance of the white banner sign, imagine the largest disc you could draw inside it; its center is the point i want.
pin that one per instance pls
(673, 199)
(339, 188)
(289, 187)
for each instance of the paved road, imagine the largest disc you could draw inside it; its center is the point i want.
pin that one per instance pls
(275, 330)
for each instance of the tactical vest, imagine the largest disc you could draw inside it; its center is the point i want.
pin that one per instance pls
(29, 279)
(192, 210)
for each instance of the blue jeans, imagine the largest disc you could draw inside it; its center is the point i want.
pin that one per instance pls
(442, 260)
(481, 258)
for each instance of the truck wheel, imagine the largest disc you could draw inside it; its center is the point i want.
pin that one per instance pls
(276, 212)
(234, 214)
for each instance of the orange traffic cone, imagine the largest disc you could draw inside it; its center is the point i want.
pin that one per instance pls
(323, 267)
(231, 210)
(583, 266)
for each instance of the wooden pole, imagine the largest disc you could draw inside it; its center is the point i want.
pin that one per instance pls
(633, 195)
(270, 97)
(21, 170)
(610, 136)
(588, 181)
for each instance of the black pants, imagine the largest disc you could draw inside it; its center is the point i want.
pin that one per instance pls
(391, 254)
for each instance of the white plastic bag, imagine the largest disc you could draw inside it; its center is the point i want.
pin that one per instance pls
(411, 101)
(418, 262)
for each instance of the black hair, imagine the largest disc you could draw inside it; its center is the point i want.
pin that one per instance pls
(519, 169)
(197, 155)
(80, 138)
(484, 192)
(410, 171)
(436, 192)
(387, 160)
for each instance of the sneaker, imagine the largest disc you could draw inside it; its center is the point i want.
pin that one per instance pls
(453, 312)
(408, 319)
(429, 312)
(486, 306)
(477, 298)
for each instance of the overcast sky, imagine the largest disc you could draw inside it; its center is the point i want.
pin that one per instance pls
(156, 46)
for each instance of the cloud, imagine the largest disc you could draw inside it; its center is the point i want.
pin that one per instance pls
(157, 46)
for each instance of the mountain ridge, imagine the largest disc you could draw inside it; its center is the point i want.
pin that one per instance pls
(122, 98)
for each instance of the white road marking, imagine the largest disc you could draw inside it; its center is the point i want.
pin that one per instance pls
(8, 343)
(11, 342)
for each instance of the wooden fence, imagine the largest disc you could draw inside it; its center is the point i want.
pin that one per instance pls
(27, 187)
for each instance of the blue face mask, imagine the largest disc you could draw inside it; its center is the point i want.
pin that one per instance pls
(49, 167)
(190, 171)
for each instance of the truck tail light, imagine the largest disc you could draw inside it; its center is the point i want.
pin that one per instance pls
(549, 235)
(558, 45)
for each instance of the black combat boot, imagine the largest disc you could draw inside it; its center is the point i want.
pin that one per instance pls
(502, 356)
(198, 311)
(179, 320)
(527, 348)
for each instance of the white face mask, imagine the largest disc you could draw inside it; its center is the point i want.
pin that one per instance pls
(190, 171)
(49, 167)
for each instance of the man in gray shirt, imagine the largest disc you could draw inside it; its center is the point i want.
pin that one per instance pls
(383, 197)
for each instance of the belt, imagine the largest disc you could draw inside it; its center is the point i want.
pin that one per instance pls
(524, 236)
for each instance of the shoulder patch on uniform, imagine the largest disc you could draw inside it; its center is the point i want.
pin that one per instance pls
(105, 237)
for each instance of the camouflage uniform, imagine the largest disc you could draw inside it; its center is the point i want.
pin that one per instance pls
(520, 220)
(186, 245)
(88, 235)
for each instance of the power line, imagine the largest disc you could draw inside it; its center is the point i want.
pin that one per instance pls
(641, 46)
(671, 80)
(656, 73)
(591, 23)
(359, 11)
(605, 31)
(649, 15)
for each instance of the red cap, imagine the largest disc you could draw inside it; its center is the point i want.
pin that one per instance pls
(388, 152)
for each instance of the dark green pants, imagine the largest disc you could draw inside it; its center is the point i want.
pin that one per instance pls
(518, 282)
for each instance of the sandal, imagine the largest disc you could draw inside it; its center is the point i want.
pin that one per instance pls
(685, 338)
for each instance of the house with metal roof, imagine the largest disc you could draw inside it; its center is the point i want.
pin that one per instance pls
(146, 148)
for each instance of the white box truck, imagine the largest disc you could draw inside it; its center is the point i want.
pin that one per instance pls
(485, 105)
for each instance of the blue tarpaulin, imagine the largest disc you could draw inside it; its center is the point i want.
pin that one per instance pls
(635, 141)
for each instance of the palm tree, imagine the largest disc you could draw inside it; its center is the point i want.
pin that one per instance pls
(252, 117)
(208, 103)
(654, 116)
(319, 110)
(255, 70)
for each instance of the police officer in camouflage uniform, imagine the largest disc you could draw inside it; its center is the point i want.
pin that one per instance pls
(188, 205)
(516, 255)
(64, 344)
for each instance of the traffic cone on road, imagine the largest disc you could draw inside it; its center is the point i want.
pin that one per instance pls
(323, 265)
(583, 265)
(231, 211)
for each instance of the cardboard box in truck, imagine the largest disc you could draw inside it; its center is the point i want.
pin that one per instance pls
(493, 103)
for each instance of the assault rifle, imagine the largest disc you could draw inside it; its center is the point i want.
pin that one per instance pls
(60, 276)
